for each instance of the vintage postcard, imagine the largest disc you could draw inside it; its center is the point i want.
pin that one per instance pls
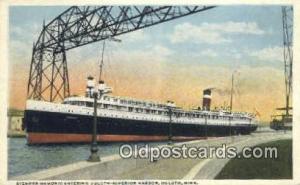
(149, 92)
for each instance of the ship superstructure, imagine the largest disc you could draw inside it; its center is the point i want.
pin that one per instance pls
(129, 119)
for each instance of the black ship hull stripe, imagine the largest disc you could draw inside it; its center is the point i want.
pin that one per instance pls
(52, 122)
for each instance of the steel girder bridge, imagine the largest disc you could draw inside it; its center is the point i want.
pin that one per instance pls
(78, 26)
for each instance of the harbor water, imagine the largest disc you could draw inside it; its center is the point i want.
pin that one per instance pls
(24, 159)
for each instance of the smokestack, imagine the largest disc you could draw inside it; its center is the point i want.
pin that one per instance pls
(103, 88)
(90, 86)
(206, 99)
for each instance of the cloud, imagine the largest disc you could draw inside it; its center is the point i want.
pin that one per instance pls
(209, 53)
(122, 55)
(22, 38)
(213, 33)
(17, 30)
(28, 32)
(160, 50)
(136, 36)
(269, 54)
(151, 52)
(234, 54)
(235, 27)
(20, 49)
(195, 34)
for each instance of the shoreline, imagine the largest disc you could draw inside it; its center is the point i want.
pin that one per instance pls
(16, 135)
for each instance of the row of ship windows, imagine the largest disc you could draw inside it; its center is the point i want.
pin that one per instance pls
(148, 111)
(118, 107)
(130, 117)
(125, 102)
(144, 118)
(132, 102)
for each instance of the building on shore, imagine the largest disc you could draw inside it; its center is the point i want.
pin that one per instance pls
(15, 123)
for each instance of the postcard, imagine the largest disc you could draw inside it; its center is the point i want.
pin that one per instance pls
(149, 92)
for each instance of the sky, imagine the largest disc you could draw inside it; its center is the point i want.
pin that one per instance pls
(175, 60)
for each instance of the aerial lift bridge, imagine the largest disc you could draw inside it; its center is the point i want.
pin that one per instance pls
(79, 26)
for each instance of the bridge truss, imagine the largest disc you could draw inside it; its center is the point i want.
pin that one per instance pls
(78, 26)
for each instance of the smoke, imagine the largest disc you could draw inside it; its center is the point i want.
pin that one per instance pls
(210, 88)
(222, 92)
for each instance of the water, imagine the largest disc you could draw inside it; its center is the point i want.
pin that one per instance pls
(23, 159)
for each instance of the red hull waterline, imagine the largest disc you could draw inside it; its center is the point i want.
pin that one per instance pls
(48, 138)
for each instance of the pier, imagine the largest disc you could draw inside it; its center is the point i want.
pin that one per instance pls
(114, 167)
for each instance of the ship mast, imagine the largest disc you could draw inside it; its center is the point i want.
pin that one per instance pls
(102, 56)
(101, 62)
(231, 92)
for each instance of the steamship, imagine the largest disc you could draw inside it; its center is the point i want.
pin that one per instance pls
(121, 119)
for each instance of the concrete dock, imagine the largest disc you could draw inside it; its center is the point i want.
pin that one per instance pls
(114, 167)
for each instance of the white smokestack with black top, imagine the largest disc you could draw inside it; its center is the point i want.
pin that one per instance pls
(103, 88)
(170, 104)
(90, 86)
(206, 102)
